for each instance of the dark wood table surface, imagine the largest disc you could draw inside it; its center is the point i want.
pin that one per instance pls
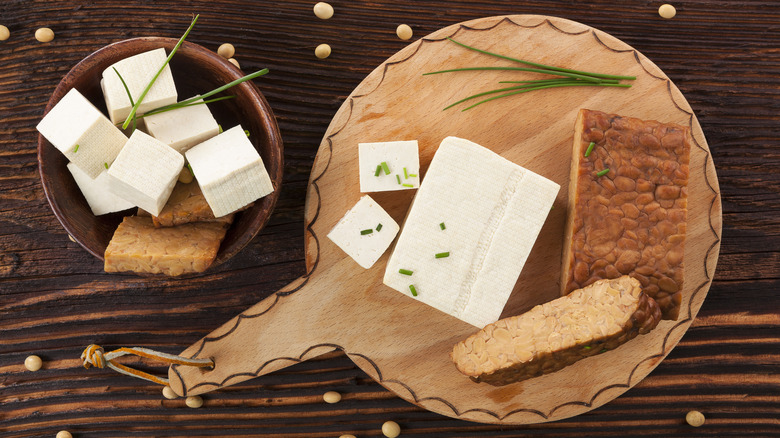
(55, 298)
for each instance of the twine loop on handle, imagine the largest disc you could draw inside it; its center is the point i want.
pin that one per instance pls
(94, 355)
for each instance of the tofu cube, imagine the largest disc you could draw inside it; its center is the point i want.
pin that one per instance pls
(182, 128)
(138, 71)
(229, 170)
(95, 191)
(492, 211)
(145, 172)
(81, 132)
(401, 169)
(360, 235)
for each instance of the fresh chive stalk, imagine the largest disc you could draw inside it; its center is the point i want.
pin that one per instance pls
(590, 149)
(175, 106)
(385, 167)
(127, 90)
(541, 87)
(378, 169)
(603, 172)
(413, 290)
(379, 227)
(405, 272)
(442, 255)
(544, 66)
(149, 86)
(364, 232)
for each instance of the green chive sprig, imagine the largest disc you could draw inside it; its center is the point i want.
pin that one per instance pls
(590, 149)
(154, 78)
(568, 78)
(127, 90)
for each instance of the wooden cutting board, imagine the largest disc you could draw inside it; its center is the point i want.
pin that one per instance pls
(404, 344)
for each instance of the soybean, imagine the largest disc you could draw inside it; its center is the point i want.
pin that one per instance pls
(391, 429)
(404, 31)
(33, 363)
(226, 51)
(667, 11)
(234, 62)
(331, 397)
(322, 51)
(4, 33)
(44, 34)
(168, 393)
(695, 418)
(323, 10)
(194, 401)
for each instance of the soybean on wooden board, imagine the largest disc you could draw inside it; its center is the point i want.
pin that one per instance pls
(405, 344)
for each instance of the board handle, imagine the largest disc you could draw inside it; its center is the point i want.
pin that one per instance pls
(273, 334)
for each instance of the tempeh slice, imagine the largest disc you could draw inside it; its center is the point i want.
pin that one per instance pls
(587, 322)
(139, 246)
(185, 205)
(631, 220)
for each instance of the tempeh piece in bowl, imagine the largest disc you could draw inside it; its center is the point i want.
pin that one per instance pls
(628, 204)
(587, 322)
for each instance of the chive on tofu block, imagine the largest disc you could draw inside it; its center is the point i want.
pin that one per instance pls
(365, 232)
(81, 132)
(145, 172)
(95, 191)
(229, 170)
(137, 71)
(184, 127)
(391, 165)
(469, 231)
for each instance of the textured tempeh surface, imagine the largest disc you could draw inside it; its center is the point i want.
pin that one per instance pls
(54, 299)
(589, 321)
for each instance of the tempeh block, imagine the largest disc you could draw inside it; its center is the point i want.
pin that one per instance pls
(139, 246)
(632, 220)
(587, 322)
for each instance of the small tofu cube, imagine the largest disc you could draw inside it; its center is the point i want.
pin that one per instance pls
(230, 171)
(138, 71)
(491, 209)
(182, 128)
(96, 192)
(392, 165)
(365, 232)
(145, 172)
(82, 133)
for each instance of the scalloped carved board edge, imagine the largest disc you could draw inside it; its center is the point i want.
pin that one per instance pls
(404, 344)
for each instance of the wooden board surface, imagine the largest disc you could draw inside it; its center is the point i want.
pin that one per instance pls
(404, 344)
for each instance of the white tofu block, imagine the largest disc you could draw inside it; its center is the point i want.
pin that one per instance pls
(182, 128)
(365, 249)
(138, 71)
(229, 170)
(492, 210)
(145, 172)
(82, 133)
(397, 155)
(96, 192)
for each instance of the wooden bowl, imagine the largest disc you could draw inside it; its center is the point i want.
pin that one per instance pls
(196, 70)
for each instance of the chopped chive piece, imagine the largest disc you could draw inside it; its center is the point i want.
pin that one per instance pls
(441, 255)
(246, 131)
(603, 172)
(587, 347)
(441, 225)
(385, 168)
(406, 174)
(379, 227)
(413, 290)
(77, 149)
(408, 185)
(378, 169)
(220, 129)
(603, 351)
(405, 272)
(412, 175)
(552, 208)
(364, 232)
(106, 164)
(190, 167)
(590, 149)
(398, 177)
